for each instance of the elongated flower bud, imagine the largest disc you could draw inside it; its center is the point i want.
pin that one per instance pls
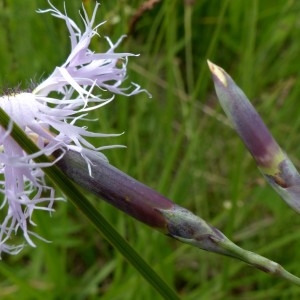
(274, 164)
(138, 200)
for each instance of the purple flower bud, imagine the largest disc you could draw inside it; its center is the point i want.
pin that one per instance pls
(271, 160)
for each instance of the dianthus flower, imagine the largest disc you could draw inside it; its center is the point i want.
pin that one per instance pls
(51, 122)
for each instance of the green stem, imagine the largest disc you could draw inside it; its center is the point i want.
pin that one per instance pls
(258, 261)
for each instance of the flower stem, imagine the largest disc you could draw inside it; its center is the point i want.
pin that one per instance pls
(153, 209)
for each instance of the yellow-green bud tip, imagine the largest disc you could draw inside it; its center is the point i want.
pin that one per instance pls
(218, 72)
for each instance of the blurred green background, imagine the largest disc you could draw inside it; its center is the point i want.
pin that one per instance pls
(178, 142)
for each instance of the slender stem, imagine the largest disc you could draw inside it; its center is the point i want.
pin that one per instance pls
(259, 261)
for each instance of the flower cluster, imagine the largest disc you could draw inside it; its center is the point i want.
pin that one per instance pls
(51, 122)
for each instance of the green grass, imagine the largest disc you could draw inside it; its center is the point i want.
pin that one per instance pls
(178, 142)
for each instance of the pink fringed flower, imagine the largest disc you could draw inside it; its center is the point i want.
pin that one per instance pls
(51, 122)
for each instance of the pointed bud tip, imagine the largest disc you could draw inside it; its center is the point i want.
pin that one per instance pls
(217, 72)
(210, 65)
